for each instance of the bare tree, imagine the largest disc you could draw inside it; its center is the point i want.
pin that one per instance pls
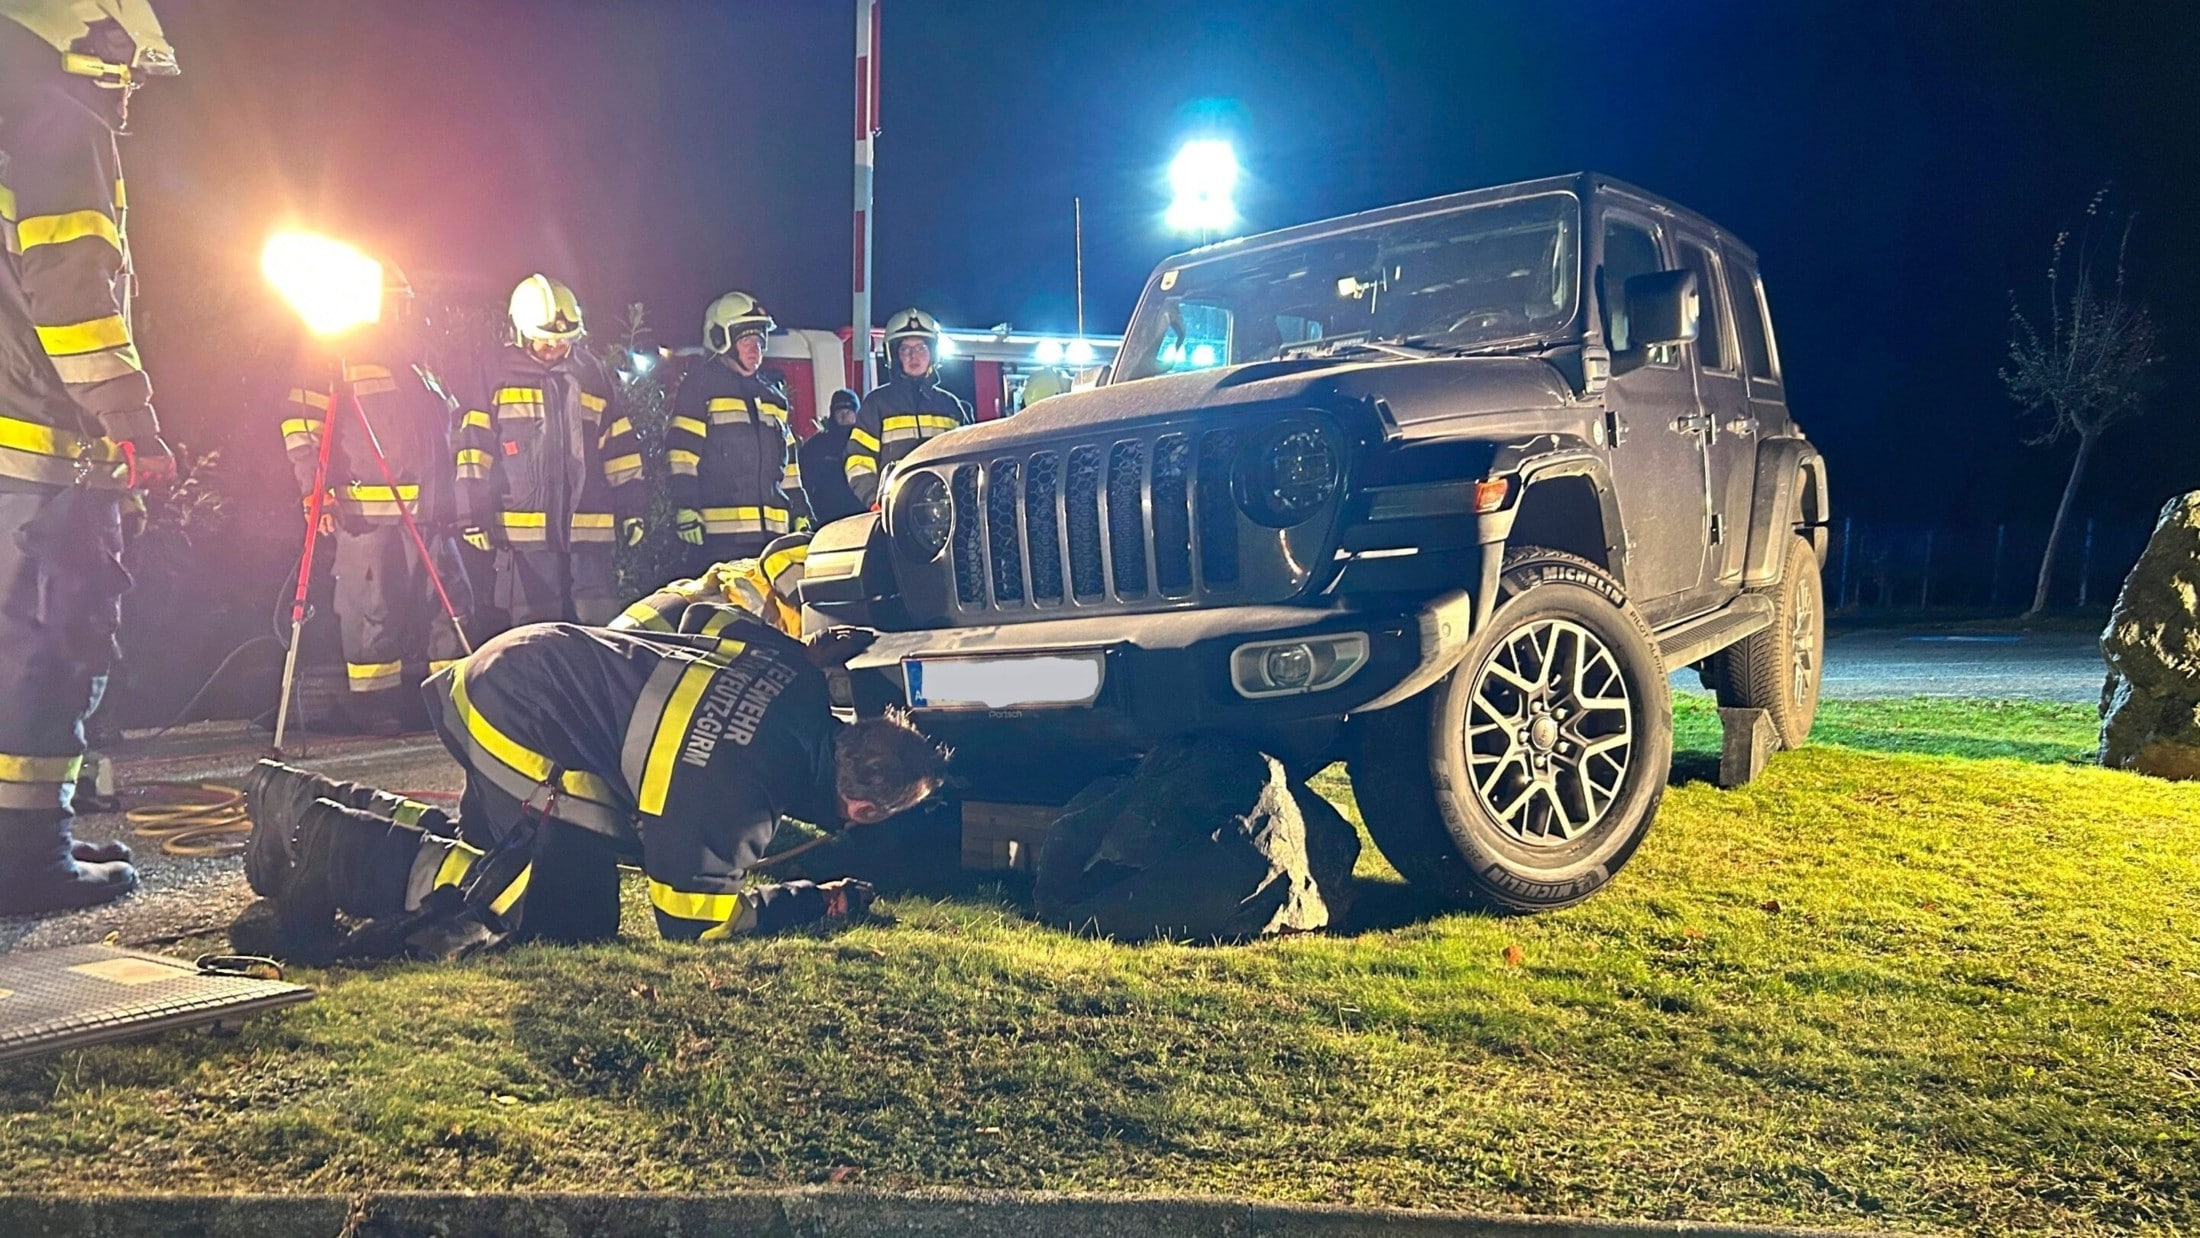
(2092, 364)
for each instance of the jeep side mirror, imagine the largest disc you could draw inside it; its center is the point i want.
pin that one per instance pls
(1664, 308)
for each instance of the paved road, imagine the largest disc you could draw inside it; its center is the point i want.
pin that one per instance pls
(182, 896)
(2029, 666)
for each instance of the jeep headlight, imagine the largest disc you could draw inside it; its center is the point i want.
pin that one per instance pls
(924, 516)
(1291, 473)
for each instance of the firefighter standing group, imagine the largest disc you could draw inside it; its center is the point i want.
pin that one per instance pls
(583, 743)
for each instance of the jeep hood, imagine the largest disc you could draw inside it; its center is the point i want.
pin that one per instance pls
(1445, 388)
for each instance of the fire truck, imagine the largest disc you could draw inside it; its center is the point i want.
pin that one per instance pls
(990, 369)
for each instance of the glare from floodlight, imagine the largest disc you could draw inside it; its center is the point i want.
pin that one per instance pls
(1203, 356)
(643, 362)
(1049, 352)
(947, 347)
(333, 286)
(1203, 176)
(1079, 353)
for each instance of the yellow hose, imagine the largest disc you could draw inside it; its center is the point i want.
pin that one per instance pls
(190, 818)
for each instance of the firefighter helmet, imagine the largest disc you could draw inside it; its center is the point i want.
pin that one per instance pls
(544, 309)
(732, 316)
(913, 323)
(73, 27)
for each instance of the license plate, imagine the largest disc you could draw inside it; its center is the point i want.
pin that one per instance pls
(1011, 682)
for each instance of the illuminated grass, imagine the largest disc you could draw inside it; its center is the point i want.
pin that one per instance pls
(1884, 988)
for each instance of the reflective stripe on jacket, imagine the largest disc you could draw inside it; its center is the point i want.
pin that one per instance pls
(892, 420)
(411, 422)
(540, 449)
(731, 452)
(70, 377)
(695, 742)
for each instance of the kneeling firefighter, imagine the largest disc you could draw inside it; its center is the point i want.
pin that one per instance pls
(77, 428)
(387, 608)
(767, 586)
(736, 483)
(583, 745)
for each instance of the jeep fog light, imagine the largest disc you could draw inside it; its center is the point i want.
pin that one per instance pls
(1294, 667)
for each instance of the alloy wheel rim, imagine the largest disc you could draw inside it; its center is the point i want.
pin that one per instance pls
(1550, 732)
(1803, 650)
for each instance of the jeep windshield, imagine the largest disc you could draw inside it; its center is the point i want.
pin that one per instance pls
(1474, 278)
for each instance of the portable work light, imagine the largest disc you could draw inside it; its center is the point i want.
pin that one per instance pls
(333, 286)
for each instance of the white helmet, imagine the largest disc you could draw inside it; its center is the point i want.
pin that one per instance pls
(732, 316)
(68, 26)
(913, 323)
(544, 309)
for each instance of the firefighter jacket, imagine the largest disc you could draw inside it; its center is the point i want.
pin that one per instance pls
(70, 379)
(731, 453)
(892, 420)
(411, 422)
(692, 742)
(546, 455)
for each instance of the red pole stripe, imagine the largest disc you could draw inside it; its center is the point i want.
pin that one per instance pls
(877, 46)
(863, 98)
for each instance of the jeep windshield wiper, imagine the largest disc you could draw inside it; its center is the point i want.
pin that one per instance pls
(1321, 350)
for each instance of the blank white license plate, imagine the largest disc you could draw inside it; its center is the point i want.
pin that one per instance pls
(1014, 682)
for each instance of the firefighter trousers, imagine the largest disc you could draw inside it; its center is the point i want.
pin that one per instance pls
(539, 878)
(387, 609)
(61, 587)
(544, 584)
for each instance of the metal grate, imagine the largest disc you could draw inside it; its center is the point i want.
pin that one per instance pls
(1172, 515)
(1122, 521)
(1042, 531)
(1004, 535)
(969, 537)
(1218, 517)
(1127, 518)
(1087, 572)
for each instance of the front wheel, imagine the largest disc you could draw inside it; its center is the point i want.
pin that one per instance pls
(1529, 775)
(1779, 669)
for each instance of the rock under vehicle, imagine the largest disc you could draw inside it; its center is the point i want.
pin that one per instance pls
(1441, 490)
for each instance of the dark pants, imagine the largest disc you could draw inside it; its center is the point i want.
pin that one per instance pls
(540, 584)
(61, 586)
(387, 607)
(562, 881)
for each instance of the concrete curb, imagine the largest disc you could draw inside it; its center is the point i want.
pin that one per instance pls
(808, 1213)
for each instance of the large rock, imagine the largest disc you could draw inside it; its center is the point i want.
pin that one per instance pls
(1208, 840)
(2150, 707)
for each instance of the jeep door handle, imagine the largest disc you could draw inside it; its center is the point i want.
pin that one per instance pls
(1693, 423)
(1742, 425)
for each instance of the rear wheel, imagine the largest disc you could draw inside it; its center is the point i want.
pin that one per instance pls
(1529, 775)
(1779, 669)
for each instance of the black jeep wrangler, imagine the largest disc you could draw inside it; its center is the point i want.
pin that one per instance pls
(1441, 490)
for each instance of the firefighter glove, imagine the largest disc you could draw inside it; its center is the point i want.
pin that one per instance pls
(327, 523)
(688, 523)
(634, 527)
(476, 537)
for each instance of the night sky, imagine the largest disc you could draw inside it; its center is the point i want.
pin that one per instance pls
(1899, 167)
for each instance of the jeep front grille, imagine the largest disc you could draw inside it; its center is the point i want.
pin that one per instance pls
(1132, 520)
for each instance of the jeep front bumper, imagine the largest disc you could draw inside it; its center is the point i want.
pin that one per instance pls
(1283, 677)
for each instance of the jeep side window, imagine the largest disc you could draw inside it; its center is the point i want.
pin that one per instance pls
(1711, 350)
(1749, 318)
(1629, 250)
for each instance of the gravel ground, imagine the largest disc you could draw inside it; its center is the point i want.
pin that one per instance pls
(186, 896)
(182, 896)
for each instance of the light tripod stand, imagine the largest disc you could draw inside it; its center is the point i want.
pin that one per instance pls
(344, 399)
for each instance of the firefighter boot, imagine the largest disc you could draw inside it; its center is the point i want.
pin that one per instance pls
(348, 861)
(276, 797)
(40, 873)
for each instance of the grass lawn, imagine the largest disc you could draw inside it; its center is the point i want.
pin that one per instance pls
(1929, 972)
